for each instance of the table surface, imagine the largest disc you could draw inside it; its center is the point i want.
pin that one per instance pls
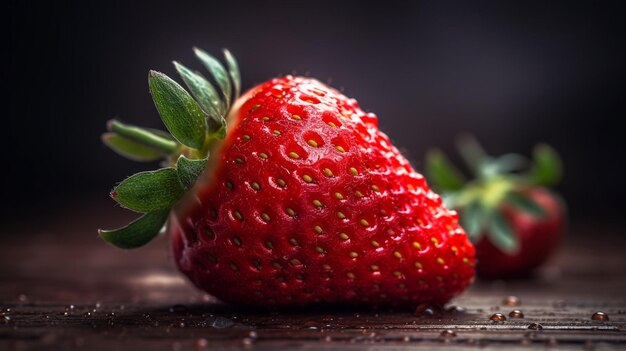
(66, 290)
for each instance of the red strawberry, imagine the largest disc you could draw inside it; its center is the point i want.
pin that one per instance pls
(303, 201)
(515, 222)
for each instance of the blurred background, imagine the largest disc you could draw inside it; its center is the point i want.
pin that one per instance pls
(512, 73)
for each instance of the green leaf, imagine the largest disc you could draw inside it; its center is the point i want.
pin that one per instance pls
(152, 138)
(501, 234)
(181, 114)
(160, 133)
(473, 218)
(233, 70)
(472, 153)
(547, 167)
(217, 71)
(441, 171)
(130, 149)
(525, 204)
(189, 170)
(509, 163)
(207, 97)
(149, 191)
(137, 233)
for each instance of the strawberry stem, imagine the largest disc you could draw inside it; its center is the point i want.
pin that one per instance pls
(144, 137)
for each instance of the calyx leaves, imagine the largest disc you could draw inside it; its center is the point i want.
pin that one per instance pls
(194, 120)
(498, 181)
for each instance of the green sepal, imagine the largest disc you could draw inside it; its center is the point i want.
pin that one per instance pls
(501, 234)
(233, 71)
(525, 204)
(218, 72)
(189, 170)
(138, 233)
(160, 133)
(508, 163)
(472, 153)
(149, 191)
(129, 148)
(180, 113)
(152, 138)
(547, 166)
(473, 220)
(441, 171)
(207, 97)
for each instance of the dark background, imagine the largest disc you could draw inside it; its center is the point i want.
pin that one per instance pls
(512, 73)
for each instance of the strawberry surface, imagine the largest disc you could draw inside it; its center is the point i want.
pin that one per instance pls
(305, 201)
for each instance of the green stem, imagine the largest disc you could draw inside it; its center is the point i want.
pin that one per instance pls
(143, 136)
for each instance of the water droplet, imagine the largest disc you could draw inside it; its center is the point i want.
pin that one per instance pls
(111, 314)
(406, 338)
(98, 305)
(22, 298)
(328, 338)
(511, 301)
(7, 319)
(516, 314)
(69, 308)
(253, 335)
(448, 333)
(87, 314)
(497, 317)
(201, 343)
(600, 316)
(219, 322)
(535, 326)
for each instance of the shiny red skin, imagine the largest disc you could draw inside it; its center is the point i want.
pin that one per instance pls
(538, 237)
(420, 254)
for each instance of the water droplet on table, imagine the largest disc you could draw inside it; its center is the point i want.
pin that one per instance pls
(512, 301)
(497, 317)
(448, 333)
(600, 316)
(516, 314)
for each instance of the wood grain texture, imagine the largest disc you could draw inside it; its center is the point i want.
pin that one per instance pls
(67, 290)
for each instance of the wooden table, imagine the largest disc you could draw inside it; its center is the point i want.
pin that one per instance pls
(63, 289)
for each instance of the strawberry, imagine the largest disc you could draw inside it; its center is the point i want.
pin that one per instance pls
(302, 200)
(514, 220)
